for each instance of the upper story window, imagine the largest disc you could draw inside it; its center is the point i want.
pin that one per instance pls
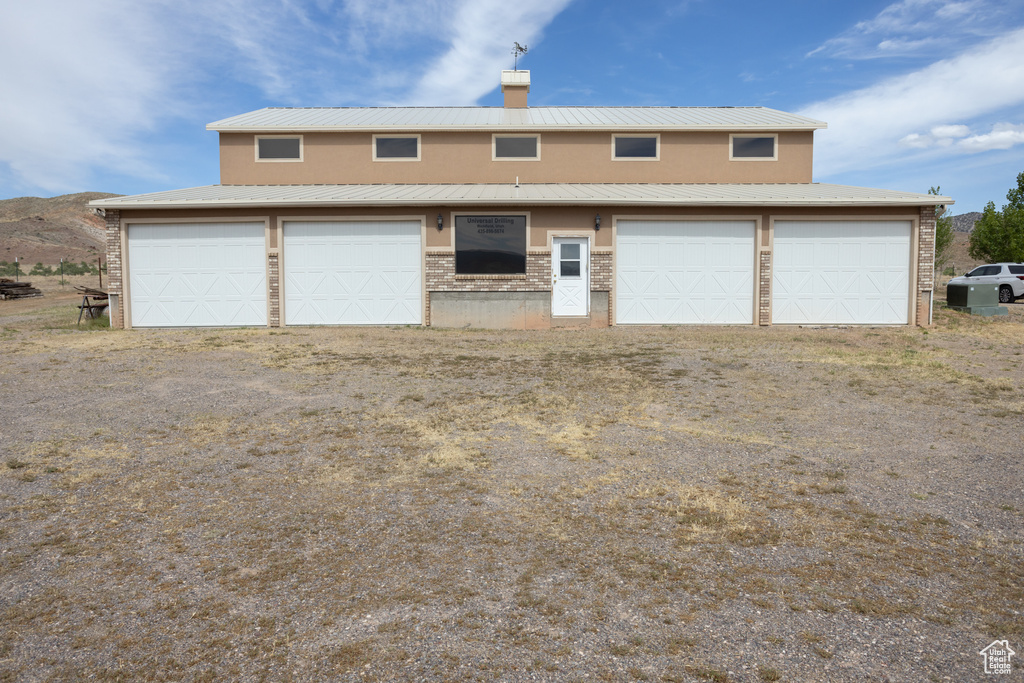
(636, 147)
(753, 147)
(396, 147)
(515, 147)
(278, 148)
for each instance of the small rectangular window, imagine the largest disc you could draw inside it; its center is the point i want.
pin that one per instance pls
(635, 147)
(516, 147)
(753, 147)
(490, 245)
(396, 147)
(279, 148)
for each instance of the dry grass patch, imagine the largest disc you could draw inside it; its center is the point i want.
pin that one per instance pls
(323, 501)
(710, 515)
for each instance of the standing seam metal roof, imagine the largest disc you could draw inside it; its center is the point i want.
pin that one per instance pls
(534, 118)
(565, 194)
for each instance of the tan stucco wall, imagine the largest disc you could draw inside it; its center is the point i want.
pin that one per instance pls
(566, 157)
(543, 219)
(515, 97)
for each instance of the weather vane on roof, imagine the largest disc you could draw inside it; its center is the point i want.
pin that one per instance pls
(516, 51)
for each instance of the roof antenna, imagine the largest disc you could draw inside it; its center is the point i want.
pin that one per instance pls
(516, 51)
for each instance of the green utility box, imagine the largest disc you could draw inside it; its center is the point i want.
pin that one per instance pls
(975, 299)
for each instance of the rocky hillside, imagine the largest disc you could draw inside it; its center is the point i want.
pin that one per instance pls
(40, 230)
(965, 221)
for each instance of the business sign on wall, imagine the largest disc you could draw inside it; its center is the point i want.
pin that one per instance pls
(490, 244)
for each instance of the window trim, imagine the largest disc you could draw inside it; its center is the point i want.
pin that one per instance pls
(657, 146)
(494, 146)
(775, 146)
(256, 148)
(419, 146)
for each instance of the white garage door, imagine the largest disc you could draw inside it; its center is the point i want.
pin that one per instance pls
(672, 272)
(841, 272)
(197, 274)
(352, 273)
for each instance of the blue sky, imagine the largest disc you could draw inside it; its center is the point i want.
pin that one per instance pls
(114, 95)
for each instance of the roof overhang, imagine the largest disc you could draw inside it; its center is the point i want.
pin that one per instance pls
(530, 119)
(539, 194)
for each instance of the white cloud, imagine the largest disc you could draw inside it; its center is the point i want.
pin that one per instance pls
(479, 47)
(71, 99)
(1003, 136)
(916, 27)
(866, 125)
(916, 140)
(939, 136)
(86, 84)
(954, 131)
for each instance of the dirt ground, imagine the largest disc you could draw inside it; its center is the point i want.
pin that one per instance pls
(652, 504)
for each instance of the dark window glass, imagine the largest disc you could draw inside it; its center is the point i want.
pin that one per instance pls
(490, 245)
(984, 271)
(279, 148)
(515, 148)
(570, 269)
(641, 148)
(1016, 270)
(753, 147)
(397, 148)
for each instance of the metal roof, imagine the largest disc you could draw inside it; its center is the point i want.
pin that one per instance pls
(291, 120)
(565, 194)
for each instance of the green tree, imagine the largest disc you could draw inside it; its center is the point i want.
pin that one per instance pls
(999, 235)
(943, 231)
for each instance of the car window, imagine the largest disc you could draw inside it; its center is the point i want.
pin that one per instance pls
(1016, 270)
(984, 270)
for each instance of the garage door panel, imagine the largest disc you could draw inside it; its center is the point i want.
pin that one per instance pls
(672, 272)
(352, 272)
(851, 272)
(197, 274)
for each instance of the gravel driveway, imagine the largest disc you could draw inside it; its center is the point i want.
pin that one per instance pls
(654, 504)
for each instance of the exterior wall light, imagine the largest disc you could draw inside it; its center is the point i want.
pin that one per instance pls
(597, 222)
(440, 223)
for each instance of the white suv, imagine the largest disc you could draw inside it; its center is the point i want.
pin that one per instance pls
(1009, 277)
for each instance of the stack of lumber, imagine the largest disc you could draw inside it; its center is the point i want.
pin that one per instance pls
(9, 289)
(90, 292)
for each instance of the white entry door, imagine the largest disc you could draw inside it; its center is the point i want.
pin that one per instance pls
(570, 276)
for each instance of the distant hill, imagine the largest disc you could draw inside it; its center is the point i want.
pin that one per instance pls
(965, 221)
(41, 230)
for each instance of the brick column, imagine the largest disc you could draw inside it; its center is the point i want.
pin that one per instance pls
(114, 284)
(764, 303)
(273, 289)
(600, 271)
(925, 263)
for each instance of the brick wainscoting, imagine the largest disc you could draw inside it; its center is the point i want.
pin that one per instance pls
(273, 290)
(114, 284)
(441, 277)
(764, 299)
(925, 264)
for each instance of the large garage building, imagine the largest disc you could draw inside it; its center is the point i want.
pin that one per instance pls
(522, 217)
